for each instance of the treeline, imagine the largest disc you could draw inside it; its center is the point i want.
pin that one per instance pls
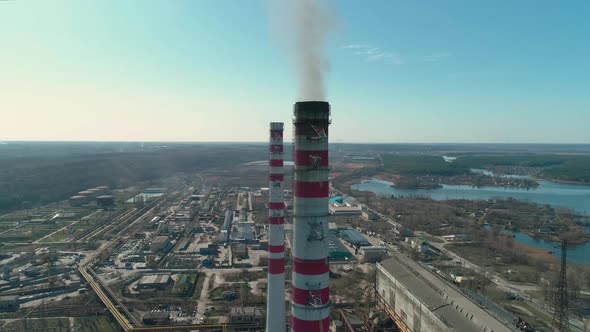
(571, 170)
(560, 167)
(421, 165)
(34, 181)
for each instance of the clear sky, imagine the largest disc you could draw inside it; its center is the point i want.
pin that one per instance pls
(197, 70)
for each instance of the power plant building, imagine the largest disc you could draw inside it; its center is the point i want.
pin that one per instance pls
(354, 238)
(340, 206)
(372, 254)
(420, 306)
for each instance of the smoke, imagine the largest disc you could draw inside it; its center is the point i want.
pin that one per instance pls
(303, 27)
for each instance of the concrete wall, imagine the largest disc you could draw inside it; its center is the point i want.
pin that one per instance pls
(415, 315)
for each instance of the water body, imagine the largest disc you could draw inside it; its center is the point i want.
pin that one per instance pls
(572, 196)
(579, 253)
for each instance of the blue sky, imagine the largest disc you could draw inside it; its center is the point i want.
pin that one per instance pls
(196, 70)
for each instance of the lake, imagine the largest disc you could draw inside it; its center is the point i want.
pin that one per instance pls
(572, 196)
(577, 253)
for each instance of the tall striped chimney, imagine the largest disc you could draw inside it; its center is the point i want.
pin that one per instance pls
(275, 304)
(310, 303)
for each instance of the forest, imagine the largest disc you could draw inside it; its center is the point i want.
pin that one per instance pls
(563, 167)
(34, 175)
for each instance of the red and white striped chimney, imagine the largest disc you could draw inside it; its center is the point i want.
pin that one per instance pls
(310, 304)
(275, 304)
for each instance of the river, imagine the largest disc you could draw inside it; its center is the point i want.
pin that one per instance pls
(572, 196)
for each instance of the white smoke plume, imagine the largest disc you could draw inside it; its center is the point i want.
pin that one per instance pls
(303, 27)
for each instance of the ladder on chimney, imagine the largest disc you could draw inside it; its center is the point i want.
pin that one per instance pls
(316, 231)
(320, 132)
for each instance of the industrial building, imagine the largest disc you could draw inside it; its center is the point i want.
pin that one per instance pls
(336, 250)
(340, 206)
(9, 303)
(354, 238)
(156, 318)
(421, 245)
(197, 198)
(239, 250)
(154, 281)
(159, 243)
(243, 232)
(226, 227)
(418, 305)
(372, 254)
(245, 314)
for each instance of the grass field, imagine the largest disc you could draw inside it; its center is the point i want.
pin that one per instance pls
(199, 286)
(96, 324)
(39, 324)
(492, 261)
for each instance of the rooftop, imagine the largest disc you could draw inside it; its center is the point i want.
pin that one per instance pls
(160, 239)
(337, 199)
(246, 311)
(156, 315)
(9, 298)
(373, 248)
(430, 296)
(335, 248)
(354, 237)
(155, 279)
(243, 231)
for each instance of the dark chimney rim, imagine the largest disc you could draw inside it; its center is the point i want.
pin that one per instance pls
(307, 107)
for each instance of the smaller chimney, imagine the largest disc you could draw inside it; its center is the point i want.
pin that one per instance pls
(275, 304)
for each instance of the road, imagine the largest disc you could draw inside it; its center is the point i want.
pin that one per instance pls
(204, 297)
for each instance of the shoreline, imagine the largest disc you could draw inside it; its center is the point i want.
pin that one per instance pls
(538, 253)
(576, 183)
(555, 238)
(382, 177)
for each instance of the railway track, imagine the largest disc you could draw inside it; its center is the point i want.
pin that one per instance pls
(119, 317)
(92, 232)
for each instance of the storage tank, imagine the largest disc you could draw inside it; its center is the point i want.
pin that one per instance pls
(105, 201)
(78, 200)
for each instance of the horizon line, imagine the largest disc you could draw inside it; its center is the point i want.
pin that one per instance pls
(5, 142)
